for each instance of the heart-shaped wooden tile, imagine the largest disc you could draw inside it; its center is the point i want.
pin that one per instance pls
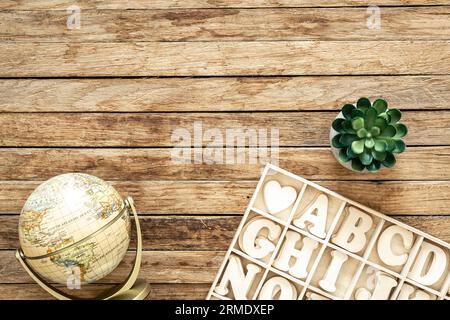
(278, 198)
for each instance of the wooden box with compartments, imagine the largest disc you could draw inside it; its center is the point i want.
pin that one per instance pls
(298, 240)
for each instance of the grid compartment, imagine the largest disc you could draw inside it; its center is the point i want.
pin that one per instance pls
(335, 272)
(313, 206)
(237, 273)
(393, 247)
(287, 183)
(409, 291)
(259, 237)
(297, 255)
(431, 266)
(277, 286)
(374, 284)
(354, 230)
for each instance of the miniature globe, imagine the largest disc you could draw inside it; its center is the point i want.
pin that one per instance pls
(74, 225)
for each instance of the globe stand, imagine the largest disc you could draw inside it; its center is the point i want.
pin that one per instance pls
(131, 289)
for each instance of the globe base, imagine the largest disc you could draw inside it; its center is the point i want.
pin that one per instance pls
(139, 291)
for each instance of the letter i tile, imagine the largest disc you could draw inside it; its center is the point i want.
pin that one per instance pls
(335, 272)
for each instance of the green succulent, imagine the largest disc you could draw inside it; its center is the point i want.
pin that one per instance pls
(369, 135)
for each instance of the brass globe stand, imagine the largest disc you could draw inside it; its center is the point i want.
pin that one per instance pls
(131, 289)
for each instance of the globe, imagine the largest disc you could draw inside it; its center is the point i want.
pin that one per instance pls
(74, 225)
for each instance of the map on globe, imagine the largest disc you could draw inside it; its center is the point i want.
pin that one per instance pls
(74, 224)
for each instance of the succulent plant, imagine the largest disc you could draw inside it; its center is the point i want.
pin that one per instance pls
(369, 135)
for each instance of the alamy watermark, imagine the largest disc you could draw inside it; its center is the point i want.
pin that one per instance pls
(373, 21)
(74, 279)
(74, 18)
(227, 146)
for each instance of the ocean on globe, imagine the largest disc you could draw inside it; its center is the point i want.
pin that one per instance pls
(74, 225)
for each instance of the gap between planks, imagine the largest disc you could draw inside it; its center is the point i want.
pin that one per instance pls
(198, 4)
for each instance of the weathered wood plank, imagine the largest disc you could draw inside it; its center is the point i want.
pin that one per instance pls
(423, 23)
(204, 233)
(224, 58)
(413, 197)
(163, 129)
(173, 291)
(165, 4)
(418, 163)
(156, 267)
(220, 94)
(231, 197)
(156, 197)
(207, 233)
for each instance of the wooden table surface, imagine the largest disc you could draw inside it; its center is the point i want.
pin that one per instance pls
(105, 99)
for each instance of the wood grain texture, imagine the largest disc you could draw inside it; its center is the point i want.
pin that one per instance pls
(206, 233)
(164, 4)
(231, 197)
(220, 94)
(105, 100)
(171, 291)
(424, 23)
(418, 163)
(156, 197)
(175, 129)
(198, 233)
(224, 58)
(157, 267)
